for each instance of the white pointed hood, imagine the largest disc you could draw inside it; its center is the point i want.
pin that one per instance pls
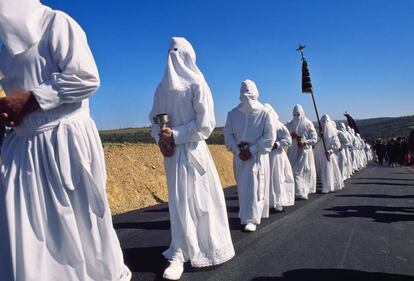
(20, 24)
(182, 70)
(329, 130)
(249, 95)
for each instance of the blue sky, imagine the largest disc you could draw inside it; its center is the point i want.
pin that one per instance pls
(360, 53)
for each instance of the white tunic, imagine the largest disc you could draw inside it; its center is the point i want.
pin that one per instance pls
(342, 155)
(252, 176)
(55, 219)
(302, 158)
(199, 225)
(282, 183)
(331, 177)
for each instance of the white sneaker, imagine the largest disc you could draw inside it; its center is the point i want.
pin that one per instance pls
(127, 275)
(304, 197)
(250, 227)
(278, 208)
(174, 270)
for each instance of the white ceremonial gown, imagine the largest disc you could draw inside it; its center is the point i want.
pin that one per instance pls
(346, 145)
(251, 122)
(282, 182)
(199, 225)
(341, 153)
(302, 158)
(331, 177)
(55, 220)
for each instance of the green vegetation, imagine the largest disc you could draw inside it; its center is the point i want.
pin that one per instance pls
(386, 127)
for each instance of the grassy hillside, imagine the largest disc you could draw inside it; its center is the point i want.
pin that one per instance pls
(386, 127)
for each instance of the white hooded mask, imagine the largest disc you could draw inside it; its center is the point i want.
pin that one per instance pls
(327, 124)
(298, 123)
(248, 97)
(182, 70)
(343, 127)
(20, 24)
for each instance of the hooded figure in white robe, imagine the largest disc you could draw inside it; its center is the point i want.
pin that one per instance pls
(341, 153)
(300, 154)
(346, 144)
(55, 222)
(362, 151)
(353, 149)
(249, 127)
(282, 182)
(199, 226)
(327, 161)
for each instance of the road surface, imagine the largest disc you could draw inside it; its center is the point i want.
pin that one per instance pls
(364, 232)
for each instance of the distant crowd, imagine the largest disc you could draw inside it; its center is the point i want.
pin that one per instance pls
(396, 151)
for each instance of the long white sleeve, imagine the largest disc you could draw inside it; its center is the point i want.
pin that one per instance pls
(200, 128)
(283, 138)
(229, 137)
(265, 143)
(312, 136)
(78, 76)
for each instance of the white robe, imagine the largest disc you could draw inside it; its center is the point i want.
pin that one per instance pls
(55, 220)
(331, 177)
(252, 176)
(282, 183)
(199, 225)
(302, 158)
(342, 155)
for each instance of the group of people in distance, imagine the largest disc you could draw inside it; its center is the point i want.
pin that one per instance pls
(55, 221)
(267, 176)
(396, 152)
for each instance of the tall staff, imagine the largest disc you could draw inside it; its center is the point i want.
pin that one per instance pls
(307, 88)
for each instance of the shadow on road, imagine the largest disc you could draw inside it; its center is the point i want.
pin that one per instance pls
(161, 210)
(151, 225)
(377, 213)
(381, 179)
(335, 275)
(382, 183)
(146, 259)
(378, 196)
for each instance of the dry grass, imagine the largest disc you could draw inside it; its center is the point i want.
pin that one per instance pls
(136, 177)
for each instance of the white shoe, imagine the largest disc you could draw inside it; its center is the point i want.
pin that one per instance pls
(127, 275)
(278, 208)
(304, 197)
(174, 270)
(250, 227)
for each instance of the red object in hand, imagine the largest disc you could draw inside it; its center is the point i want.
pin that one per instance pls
(245, 154)
(15, 107)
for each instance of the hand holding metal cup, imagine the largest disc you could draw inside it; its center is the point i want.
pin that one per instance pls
(301, 141)
(162, 120)
(166, 143)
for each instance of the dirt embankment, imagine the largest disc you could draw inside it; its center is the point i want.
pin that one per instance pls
(136, 176)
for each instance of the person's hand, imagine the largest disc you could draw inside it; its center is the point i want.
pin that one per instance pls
(245, 154)
(301, 143)
(294, 135)
(275, 146)
(321, 132)
(15, 107)
(166, 149)
(166, 142)
(166, 134)
(328, 153)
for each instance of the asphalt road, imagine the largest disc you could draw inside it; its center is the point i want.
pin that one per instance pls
(364, 232)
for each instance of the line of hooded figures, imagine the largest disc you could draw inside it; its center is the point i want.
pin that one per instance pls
(55, 222)
(274, 163)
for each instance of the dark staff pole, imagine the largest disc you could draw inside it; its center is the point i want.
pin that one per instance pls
(307, 88)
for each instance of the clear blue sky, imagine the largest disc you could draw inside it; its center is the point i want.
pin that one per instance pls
(360, 53)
